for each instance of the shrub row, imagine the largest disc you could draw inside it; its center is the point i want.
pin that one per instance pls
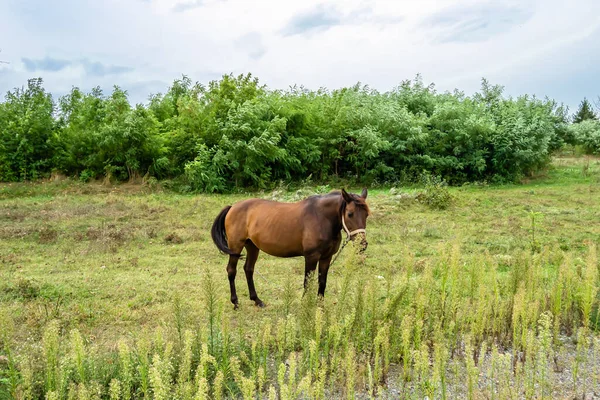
(235, 132)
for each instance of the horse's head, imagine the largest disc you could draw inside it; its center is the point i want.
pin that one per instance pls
(354, 216)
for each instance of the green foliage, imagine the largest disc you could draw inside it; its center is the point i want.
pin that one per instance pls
(27, 133)
(248, 150)
(201, 173)
(181, 117)
(521, 142)
(587, 134)
(106, 136)
(584, 112)
(436, 194)
(236, 133)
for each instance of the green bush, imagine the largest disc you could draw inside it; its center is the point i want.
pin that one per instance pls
(202, 175)
(105, 135)
(27, 133)
(236, 133)
(436, 195)
(587, 134)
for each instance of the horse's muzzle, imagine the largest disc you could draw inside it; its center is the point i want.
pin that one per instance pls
(363, 245)
(361, 240)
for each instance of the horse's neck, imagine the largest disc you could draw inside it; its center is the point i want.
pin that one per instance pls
(331, 209)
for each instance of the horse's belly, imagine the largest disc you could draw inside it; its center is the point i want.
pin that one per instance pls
(278, 242)
(280, 252)
(281, 245)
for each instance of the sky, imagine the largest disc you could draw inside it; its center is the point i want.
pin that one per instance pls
(542, 47)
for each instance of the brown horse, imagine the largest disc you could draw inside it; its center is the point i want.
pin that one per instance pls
(310, 228)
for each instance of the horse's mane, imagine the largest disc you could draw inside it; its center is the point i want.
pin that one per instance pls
(359, 201)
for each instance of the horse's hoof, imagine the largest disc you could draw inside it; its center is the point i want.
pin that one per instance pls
(260, 304)
(236, 306)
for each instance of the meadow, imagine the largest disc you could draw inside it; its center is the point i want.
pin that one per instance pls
(117, 291)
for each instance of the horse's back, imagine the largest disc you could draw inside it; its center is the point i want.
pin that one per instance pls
(265, 207)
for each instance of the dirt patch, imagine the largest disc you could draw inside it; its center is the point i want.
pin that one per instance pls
(173, 238)
(196, 235)
(109, 232)
(14, 232)
(94, 233)
(47, 234)
(9, 258)
(151, 233)
(25, 289)
(108, 237)
(13, 215)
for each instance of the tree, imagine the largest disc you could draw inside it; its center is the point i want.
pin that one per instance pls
(587, 134)
(105, 135)
(585, 112)
(235, 132)
(27, 133)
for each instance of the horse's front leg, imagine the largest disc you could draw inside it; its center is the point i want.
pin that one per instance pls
(310, 264)
(323, 270)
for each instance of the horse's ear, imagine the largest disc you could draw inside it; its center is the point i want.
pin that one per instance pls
(346, 196)
(364, 193)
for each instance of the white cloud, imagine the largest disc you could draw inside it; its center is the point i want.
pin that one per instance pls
(453, 43)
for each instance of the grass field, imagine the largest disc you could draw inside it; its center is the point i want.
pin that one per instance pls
(119, 292)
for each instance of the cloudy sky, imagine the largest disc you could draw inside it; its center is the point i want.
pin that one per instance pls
(542, 47)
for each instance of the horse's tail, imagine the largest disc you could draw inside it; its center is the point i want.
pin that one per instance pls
(219, 236)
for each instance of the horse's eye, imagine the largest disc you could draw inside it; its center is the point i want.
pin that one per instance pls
(350, 215)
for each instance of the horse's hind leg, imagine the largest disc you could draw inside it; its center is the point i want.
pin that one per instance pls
(231, 272)
(251, 257)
